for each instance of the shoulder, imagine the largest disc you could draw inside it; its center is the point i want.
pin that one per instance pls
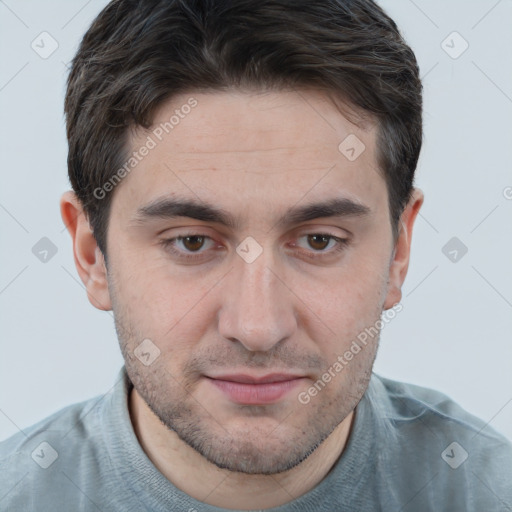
(66, 458)
(67, 419)
(30, 458)
(407, 403)
(437, 448)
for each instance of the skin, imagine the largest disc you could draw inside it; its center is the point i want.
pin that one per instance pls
(294, 309)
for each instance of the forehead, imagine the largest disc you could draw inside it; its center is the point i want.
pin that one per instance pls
(252, 149)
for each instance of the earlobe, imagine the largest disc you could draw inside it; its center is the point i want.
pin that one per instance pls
(89, 260)
(400, 261)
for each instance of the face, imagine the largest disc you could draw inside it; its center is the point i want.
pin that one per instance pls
(243, 305)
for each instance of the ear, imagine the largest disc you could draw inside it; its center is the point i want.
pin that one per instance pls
(400, 260)
(89, 260)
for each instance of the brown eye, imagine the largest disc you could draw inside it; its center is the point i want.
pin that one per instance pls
(192, 243)
(321, 245)
(319, 242)
(189, 247)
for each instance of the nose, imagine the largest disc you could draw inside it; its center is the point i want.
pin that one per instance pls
(257, 309)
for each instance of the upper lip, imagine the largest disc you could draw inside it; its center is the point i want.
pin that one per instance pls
(253, 379)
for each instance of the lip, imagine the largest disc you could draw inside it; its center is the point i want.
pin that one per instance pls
(254, 379)
(255, 390)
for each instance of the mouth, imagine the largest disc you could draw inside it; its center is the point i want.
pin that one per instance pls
(247, 389)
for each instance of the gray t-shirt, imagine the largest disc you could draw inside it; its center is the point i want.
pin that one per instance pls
(411, 449)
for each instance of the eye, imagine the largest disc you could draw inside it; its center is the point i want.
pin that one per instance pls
(190, 244)
(319, 242)
(190, 247)
(322, 242)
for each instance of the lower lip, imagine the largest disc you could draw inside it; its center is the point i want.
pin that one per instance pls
(255, 394)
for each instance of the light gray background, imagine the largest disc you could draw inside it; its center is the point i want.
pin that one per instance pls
(454, 333)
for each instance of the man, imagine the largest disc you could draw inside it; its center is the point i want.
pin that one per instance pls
(243, 202)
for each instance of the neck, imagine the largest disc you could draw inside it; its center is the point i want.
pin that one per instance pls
(190, 472)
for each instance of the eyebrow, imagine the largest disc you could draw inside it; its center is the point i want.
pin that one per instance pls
(169, 208)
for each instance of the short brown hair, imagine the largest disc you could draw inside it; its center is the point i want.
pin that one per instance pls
(139, 53)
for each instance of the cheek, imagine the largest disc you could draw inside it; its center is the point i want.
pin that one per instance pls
(142, 295)
(346, 303)
(166, 307)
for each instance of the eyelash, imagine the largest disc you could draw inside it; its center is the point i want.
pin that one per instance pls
(168, 245)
